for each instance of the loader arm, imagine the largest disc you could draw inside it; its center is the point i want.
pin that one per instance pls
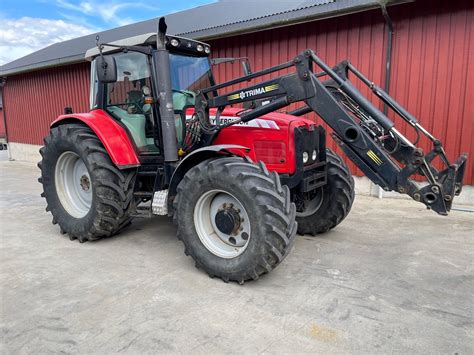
(365, 134)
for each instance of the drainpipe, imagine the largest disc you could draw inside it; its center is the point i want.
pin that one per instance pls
(2, 86)
(388, 62)
(388, 54)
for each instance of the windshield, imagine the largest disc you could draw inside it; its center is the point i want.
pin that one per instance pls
(190, 73)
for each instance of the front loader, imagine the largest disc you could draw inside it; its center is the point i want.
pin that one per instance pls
(162, 138)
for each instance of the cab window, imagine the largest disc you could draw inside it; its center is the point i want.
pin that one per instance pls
(125, 99)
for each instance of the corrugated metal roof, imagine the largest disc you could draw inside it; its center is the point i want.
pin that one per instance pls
(223, 18)
(231, 12)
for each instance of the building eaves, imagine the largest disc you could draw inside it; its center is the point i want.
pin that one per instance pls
(303, 12)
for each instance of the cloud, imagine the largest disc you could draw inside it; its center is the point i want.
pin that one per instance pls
(23, 36)
(108, 11)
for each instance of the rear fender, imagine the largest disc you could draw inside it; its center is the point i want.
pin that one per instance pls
(112, 135)
(198, 156)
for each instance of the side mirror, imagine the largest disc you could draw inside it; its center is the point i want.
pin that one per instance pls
(180, 122)
(246, 67)
(244, 60)
(106, 69)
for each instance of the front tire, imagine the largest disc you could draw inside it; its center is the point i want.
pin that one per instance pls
(331, 203)
(234, 218)
(86, 194)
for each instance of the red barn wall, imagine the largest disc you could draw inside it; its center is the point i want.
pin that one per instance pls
(33, 100)
(431, 64)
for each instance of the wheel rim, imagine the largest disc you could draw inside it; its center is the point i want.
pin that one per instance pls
(222, 224)
(312, 206)
(73, 184)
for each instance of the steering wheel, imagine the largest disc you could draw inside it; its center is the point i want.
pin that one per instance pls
(131, 104)
(138, 105)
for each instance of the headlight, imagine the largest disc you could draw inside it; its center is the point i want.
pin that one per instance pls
(314, 155)
(174, 42)
(207, 50)
(200, 48)
(305, 157)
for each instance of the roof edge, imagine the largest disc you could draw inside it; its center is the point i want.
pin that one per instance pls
(282, 22)
(77, 58)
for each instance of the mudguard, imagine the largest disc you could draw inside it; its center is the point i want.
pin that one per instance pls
(198, 156)
(112, 135)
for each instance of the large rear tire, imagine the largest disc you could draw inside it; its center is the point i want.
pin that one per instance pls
(86, 194)
(331, 203)
(234, 218)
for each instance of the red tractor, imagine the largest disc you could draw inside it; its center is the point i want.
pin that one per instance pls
(161, 139)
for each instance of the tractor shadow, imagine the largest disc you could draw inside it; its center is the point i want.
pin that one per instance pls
(145, 229)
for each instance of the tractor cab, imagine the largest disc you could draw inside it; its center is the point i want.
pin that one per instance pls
(130, 93)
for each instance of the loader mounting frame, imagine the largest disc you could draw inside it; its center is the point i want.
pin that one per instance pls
(390, 169)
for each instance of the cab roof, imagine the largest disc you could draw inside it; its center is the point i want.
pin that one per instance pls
(144, 39)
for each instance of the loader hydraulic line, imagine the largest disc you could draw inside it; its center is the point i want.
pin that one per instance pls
(365, 134)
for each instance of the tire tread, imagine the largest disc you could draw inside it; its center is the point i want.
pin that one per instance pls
(272, 200)
(114, 187)
(339, 194)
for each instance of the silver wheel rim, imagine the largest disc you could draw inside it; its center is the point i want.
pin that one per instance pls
(218, 243)
(73, 184)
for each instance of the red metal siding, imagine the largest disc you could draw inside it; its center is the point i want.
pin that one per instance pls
(36, 99)
(432, 61)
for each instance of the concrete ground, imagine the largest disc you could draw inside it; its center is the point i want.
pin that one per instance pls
(3, 155)
(392, 278)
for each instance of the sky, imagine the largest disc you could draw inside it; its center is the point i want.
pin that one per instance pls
(29, 25)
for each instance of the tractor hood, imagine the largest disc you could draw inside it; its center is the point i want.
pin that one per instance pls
(273, 120)
(270, 138)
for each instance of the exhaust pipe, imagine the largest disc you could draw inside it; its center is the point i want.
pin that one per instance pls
(165, 95)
